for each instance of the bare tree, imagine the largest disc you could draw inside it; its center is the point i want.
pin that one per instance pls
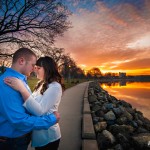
(32, 23)
(56, 53)
(59, 55)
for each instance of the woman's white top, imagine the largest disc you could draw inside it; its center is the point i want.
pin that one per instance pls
(39, 105)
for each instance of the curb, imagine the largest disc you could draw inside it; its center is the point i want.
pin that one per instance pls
(88, 133)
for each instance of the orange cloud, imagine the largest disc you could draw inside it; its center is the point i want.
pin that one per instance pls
(108, 35)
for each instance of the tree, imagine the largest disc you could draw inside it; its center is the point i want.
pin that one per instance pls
(66, 66)
(94, 72)
(78, 73)
(32, 23)
(58, 54)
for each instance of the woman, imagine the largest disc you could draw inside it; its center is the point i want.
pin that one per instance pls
(45, 99)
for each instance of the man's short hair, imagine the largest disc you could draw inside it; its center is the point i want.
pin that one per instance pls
(23, 52)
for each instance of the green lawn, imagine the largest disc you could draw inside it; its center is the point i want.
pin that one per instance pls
(32, 82)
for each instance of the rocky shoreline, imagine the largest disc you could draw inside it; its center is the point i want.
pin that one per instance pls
(117, 125)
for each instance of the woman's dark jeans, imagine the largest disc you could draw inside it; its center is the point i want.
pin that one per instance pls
(50, 146)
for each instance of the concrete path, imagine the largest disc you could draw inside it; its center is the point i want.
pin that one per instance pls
(71, 114)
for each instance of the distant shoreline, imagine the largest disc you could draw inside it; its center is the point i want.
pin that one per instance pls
(127, 79)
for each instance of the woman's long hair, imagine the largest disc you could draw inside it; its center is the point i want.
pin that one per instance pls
(51, 73)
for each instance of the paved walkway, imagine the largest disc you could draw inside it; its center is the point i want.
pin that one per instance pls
(71, 115)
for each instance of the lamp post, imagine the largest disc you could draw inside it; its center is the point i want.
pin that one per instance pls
(69, 75)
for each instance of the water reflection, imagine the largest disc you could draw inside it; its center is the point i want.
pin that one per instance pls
(135, 93)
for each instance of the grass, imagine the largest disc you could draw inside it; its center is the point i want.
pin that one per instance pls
(68, 83)
(32, 82)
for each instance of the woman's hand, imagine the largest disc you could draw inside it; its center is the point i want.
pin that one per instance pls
(15, 83)
(18, 85)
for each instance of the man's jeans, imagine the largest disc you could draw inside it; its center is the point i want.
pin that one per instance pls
(20, 143)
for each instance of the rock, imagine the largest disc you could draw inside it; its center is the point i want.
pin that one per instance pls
(140, 113)
(124, 103)
(122, 120)
(114, 99)
(95, 108)
(92, 98)
(105, 139)
(97, 103)
(141, 130)
(139, 122)
(111, 122)
(124, 141)
(146, 124)
(100, 126)
(118, 147)
(99, 113)
(127, 115)
(110, 116)
(141, 141)
(133, 123)
(104, 109)
(102, 141)
(95, 120)
(130, 110)
(109, 136)
(117, 111)
(97, 90)
(123, 129)
(91, 91)
(109, 106)
(100, 96)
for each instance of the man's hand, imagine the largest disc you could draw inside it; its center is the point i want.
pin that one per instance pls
(57, 115)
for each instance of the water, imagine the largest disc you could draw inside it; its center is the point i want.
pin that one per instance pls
(135, 93)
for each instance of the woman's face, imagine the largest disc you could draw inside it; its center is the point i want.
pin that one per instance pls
(39, 72)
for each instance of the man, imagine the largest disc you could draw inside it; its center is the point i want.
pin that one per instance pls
(15, 123)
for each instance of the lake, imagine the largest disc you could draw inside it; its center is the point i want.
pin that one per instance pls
(135, 93)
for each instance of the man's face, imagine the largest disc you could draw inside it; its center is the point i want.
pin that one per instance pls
(29, 66)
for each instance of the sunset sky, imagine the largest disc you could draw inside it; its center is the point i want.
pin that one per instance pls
(113, 35)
